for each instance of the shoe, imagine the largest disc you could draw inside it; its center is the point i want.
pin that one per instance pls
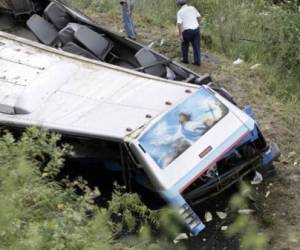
(185, 62)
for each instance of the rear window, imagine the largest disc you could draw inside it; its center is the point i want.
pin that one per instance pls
(181, 127)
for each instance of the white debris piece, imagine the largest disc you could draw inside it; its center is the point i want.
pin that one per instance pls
(221, 215)
(267, 194)
(255, 66)
(258, 178)
(162, 42)
(238, 61)
(246, 211)
(292, 154)
(224, 228)
(151, 45)
(182, 236)
(208, 216)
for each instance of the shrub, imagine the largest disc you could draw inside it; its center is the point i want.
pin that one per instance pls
(244, 225)
(36, 212)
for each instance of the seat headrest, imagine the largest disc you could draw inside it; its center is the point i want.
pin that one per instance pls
(58, 15)
(42, 29)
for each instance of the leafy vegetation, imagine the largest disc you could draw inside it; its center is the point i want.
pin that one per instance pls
(244, 225)
(36, 212)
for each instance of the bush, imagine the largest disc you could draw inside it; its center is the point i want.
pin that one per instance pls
(36, 212)
(244, 225)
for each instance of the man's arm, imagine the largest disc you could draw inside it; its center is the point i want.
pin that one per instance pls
(199, 19)
(198, 15)
(180, 26)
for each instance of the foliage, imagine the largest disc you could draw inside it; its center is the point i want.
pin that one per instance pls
(129, 211)
(244, 225)
(36, 212)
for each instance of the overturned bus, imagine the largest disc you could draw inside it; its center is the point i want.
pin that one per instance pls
(184, 141)
(57, 25)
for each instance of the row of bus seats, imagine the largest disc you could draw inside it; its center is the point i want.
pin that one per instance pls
(57, 28)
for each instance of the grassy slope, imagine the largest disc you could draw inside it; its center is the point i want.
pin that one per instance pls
(279, 213)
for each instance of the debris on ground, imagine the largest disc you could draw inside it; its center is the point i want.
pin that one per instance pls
(255, 66)
(258, 178)
(208, 216)
(294, 178)
(179, 237)
(224, 228)
(292, 154)
(221, 215)
(238, 61)
(150, 45)
(246, 211)
(162, 42)
(267, 194)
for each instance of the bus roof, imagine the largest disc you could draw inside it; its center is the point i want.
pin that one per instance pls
(41, 86)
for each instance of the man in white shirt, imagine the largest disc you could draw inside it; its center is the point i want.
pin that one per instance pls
(188, 21)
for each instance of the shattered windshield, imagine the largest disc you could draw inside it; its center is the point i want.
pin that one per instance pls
(180, 128)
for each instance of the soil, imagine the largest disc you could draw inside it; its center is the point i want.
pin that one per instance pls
(277, 200)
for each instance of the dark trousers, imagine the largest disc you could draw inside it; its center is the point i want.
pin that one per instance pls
(193, 37)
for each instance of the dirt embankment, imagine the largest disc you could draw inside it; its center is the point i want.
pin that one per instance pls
(278, 214)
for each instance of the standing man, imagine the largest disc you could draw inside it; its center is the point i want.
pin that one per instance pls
(127, 7)
(188, 21)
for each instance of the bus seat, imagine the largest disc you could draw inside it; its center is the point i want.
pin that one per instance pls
(42, 29)
(76, 49)
(57, 15)
(146, 58)
(94, 42)
(67, 34)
